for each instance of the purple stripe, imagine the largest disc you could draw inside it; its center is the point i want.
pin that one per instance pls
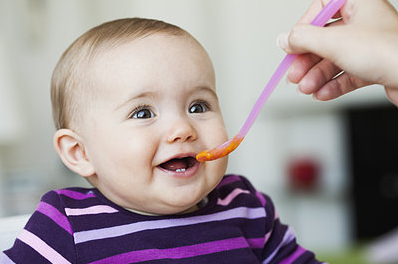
(55, 215)
(75, 195)
(261, 198)
(115, 231)
(229, 180)
(293, 256)
(256, 242)
(178, 252)
(287, 238)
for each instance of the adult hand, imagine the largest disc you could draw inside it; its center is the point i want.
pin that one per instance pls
(357, 50)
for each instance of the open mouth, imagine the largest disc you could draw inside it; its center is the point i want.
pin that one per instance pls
(179, 165)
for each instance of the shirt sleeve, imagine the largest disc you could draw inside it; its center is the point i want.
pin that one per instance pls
(47, 236)
(280, 240)
(281, 245)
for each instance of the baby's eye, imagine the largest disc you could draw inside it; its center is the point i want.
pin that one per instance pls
(198, 107)
(142, 113)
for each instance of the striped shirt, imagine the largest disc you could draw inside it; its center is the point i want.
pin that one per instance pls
(79, 225)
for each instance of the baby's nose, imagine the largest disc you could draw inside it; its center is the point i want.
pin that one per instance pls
(181, 130)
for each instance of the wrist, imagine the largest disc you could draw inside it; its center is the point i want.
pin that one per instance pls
(392, 94)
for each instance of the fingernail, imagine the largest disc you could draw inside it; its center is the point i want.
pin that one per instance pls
(282, 41)
(315, 98)
(298, 91)
(288, 82)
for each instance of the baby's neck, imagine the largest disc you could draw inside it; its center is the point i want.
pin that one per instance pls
(192, 209)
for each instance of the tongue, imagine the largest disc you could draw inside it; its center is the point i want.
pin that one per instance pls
(175, 164)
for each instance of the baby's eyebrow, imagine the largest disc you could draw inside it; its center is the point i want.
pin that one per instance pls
(154, 95)
(207, 90)
(138, 96)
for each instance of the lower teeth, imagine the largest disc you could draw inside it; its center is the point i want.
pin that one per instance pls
(180, 170)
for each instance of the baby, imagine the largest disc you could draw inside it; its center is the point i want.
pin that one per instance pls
(134, 100)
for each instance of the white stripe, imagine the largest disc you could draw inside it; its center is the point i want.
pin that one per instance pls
(5, 259)
(42, 247)
(97, 209)
(114, 231)
(231, 196)
(287, 238)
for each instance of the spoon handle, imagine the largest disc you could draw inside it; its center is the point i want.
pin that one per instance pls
(227, 147)
(320, 20)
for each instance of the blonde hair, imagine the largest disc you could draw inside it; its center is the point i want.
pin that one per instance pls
(70, 88)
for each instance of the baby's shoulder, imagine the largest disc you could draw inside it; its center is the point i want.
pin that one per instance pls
(234, 181)
(68, 195)
(239, 188)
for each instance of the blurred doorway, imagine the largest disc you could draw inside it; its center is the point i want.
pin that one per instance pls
(373, 144)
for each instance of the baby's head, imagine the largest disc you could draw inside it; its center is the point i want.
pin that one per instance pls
(134, 101)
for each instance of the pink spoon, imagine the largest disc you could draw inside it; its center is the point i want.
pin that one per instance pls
(227, 147)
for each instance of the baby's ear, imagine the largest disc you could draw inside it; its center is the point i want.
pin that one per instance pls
(71, 150)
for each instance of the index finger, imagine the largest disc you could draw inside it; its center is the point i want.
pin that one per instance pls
(313, 11)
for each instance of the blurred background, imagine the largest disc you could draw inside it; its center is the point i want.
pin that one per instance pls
(330, 167)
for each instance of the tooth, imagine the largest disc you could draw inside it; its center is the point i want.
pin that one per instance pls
(180, 170)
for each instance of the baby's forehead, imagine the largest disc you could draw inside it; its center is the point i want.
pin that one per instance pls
(158, 47)
(146, 57)
(152, 41)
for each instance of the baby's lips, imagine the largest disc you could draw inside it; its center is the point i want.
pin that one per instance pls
(178, 163)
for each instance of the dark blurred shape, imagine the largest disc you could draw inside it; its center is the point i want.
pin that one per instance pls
(373, 144)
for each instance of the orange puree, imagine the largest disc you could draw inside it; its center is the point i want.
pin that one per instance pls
(220, 151)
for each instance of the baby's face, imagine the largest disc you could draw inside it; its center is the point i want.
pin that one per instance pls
(157, 108)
